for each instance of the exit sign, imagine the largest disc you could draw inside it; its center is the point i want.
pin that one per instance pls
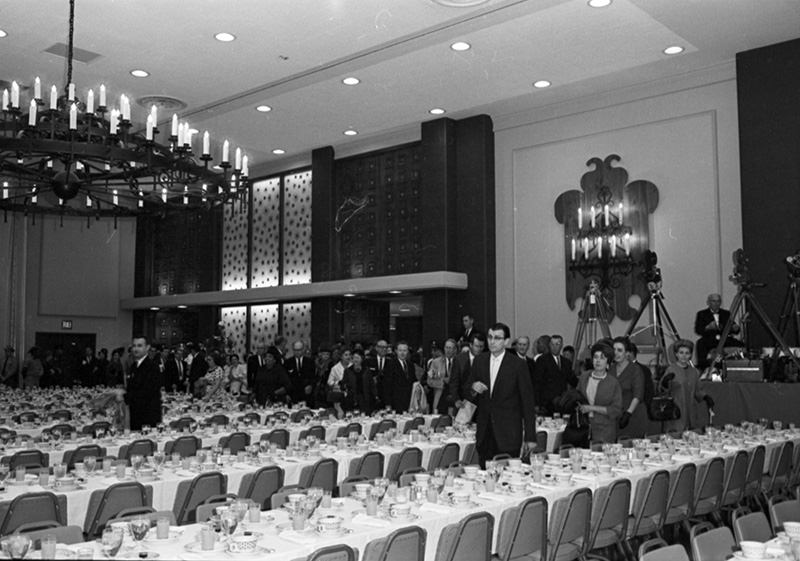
(66, 324)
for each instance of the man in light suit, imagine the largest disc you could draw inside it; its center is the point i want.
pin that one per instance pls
(501, 383)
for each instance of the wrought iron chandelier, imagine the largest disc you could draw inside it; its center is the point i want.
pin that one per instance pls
(75, 158)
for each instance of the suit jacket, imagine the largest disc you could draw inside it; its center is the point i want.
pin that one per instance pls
(300, 377)
(397, 384)
(267, 382)
(175, 374)
(550, 380)
(198, 369)
(377, 374)
(459, 378)
(143, 394)
(361, 389)
(252, 367)
(509, 405)
(704, 317)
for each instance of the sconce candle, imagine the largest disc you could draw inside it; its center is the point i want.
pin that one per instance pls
(628, 245)
(599, 247)
(591, 209)
(572, 244)
(608, 216)
(586, 248)
(612, 243)
(580, 218)
(619, 218)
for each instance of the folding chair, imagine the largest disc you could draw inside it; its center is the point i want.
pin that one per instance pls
(381, 427)
(649, 508)
(39, 507)
(277, 436)
(317, 431)
(658, 550)
(370, 464)
(468, 540)
(236, 442)
(708, 489)
(79, 453)
(413, 424)
(143, 447)
(609, 522)
(444, 456)
(681, 498)
(568, 533)
(405, 544)
(186, 446)
(192, 493)
(750, 526)
(261, 485)
(26, 458)
(408, 458)
(523, 531)
(346, 430)
(711, 544)
(107, 503)
(324, 473)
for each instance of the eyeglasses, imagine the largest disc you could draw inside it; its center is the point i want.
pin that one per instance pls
(496, 337)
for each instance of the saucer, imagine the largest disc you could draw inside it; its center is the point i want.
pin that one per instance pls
(258, 551)
(338, 533)
(741, 555)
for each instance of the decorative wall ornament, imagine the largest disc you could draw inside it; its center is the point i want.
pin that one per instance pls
(606, 232)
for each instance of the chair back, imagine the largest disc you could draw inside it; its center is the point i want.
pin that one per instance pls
(381, 427)
(708, 490)
(324, 473)
(755, 471)
(444, 456)
(261, 485)
(279, 497)
(28, 459)
(441, 423)
(143, 447)
(252, 417)
(783, 509)
(405, 544)
(348, 486)
(751, 526)
(780, 469)
(735, 480)
(182, 423)
(610, 513)
(681, 494)
(407, 477)
(398, 463)
(186, 446)
(301, 415)
(104, 504)
(62, 414)
(370, 464)
(317, 431)
(79, 453)
(277, 416)
(346, 430)
(91, 429)
(716, 544)
(414, 424)
(277, 436)
(206, 510)
(33, 507)
(218, 419)
(64, 534)
(541, 442)
(468, 540)
(63, 428)
(523, 531)
(501, 459)
(340, 552)
(236, 442)
(569, 526)
(658, 550)
(650, 504)
(192, 493)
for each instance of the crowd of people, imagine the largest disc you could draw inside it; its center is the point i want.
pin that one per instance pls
(606, 396)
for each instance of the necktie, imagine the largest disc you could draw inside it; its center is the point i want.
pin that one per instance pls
(380, 365)
(403, 364)
(299, 364)
(447, 370)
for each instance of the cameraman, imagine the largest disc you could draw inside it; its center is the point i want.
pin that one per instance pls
(709, 324)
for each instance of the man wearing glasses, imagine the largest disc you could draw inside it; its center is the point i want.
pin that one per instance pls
(504, 395)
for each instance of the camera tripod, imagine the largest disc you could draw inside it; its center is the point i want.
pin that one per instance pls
(790, 312)
(746, 301)
(658, 314)
(594, 310)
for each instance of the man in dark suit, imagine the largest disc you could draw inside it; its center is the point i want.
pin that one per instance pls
(301, 373)
(552, 375)
(468, 328)
(143, 392)
(198, 368)
(399, 375)
(175, 372)
(708, 324)
(522, 345)
(459, 377)
(254, 362)
(377, 367)
(271, 383)
(502, 386)
(278, 348)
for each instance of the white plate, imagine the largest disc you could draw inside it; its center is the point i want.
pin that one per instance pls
(335, 534)
(257, 552)
(740, 555)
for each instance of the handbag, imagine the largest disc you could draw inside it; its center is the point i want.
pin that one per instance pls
(663, 408)
(578, 431)
(334, 395)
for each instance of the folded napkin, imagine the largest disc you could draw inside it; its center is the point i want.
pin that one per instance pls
(373, 521)
(490, 496)
(437, 508)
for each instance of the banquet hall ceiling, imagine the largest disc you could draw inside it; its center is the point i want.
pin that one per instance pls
(293, 54)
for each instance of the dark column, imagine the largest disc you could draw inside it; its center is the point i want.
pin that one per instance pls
(325, 324)
(768, 81)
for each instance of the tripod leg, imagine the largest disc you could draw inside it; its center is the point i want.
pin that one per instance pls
(735, 305)
(771, 328)
(581, 327)
(796, 312)
(660, 341)
(786, 310)
(670, 323)
(638, 316)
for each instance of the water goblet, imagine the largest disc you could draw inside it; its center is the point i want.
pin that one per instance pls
(136, 461)
(139, 528)
(111, 541)
(229, 522)
(89, 462)
(16, 546)
(158, 459)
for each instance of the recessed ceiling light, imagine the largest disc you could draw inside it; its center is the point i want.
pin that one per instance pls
(541, 84)
(225, 37)
(155, 308)
(348, 295)
(263, 108)
(673, 50)
(3, 33)
(351, 81)
(395, 292)
(140, 73)
(182, 307)
(350, 132)
(437, 111)
(599, 3)
(279, 151)
(461, 46)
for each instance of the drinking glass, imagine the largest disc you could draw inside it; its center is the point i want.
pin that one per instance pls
(158, 459)
(139, 528)
(136, 461)
(16, 546)
(229, 521)
(89, 463)
(111, 541)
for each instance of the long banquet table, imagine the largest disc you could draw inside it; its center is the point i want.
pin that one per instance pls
(361, 529)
